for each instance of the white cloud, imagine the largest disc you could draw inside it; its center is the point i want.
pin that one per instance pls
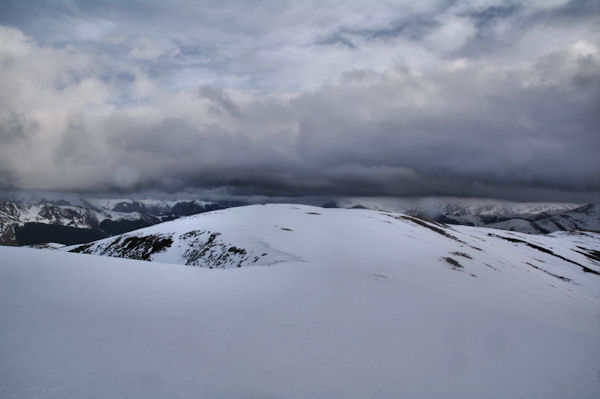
(453, 33)
(148, 49)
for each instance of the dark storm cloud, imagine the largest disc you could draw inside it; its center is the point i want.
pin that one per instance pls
(410, 98)
(513, 136)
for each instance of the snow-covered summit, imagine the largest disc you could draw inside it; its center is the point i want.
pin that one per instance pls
(275, 233)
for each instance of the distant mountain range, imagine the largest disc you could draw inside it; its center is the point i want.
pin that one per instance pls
(533, 221)
(28, 219)
(34, 221)
(532, 218)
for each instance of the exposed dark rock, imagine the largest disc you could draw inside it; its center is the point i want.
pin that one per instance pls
(130, 247)
(563, 278)
(464, 255)
(590, 253)
(454, 264)
(431, 225)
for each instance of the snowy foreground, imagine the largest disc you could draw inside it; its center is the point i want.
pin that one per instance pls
(348, 304)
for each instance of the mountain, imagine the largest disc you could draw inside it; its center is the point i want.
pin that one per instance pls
(268, 234)
(525, 217)
(341, 303)
(34, 220)
(31, 218)
(584, 218)
(533, 221)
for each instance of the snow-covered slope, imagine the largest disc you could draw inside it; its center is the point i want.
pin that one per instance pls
(269, 234)
(356, 304)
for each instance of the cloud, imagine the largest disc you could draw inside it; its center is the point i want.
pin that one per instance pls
(393, 99)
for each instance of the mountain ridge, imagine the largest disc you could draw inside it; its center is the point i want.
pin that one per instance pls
(37, 218)
(36, 221)
(274, 233)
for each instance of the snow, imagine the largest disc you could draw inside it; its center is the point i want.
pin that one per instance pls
(110, 203)
(526, 217)
(47, 245)
(435, 206)
(360, 304)
(66, 215)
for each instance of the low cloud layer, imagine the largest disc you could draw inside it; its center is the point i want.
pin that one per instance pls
(463, 99)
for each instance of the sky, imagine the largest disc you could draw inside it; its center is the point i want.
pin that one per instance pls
(497, 99)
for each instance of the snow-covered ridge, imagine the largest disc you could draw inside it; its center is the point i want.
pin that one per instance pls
(273, 233)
